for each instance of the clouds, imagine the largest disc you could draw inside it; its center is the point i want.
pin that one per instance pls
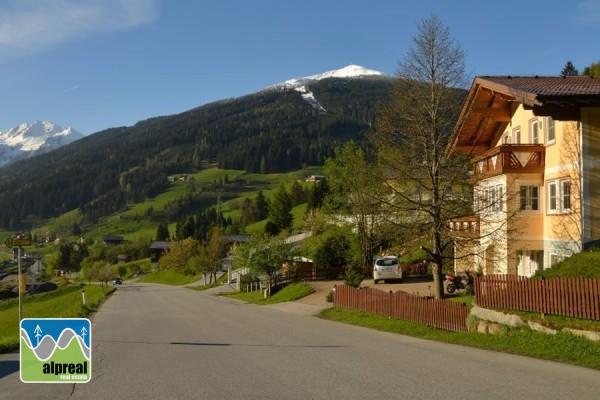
(32, 26)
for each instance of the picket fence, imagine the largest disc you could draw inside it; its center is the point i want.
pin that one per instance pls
(570, 297)
(441, 314)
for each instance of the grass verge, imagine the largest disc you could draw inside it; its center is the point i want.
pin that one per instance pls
(61, 303)
(291, 292)
(562, 347)
(168, 277)
(222, 279)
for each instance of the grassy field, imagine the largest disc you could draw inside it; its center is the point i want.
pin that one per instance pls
(134, 221)
(61, 303)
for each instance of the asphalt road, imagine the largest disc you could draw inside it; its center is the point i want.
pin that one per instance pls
(161, 342)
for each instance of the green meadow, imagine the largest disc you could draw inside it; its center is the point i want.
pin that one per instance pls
(66, 302)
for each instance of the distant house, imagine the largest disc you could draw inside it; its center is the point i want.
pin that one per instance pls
(158, 248)
(122, 258)
(175, 178)
(315, 178)
(113, 239)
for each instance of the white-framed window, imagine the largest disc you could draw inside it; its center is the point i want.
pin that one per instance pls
(492, 199)
(516, 136)
(506, 138)
(529, 197)
(529, 262)
(559, 196)
(550, 134)
(533, 131)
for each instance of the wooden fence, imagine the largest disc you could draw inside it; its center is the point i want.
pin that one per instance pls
(571, 297)
(442, 314)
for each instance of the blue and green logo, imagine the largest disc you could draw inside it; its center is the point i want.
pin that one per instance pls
(56, 350)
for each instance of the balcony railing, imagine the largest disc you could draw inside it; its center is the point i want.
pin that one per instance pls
(466, 227)
(511, 158)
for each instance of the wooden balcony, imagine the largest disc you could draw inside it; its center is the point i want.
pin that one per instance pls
(465, 227)
(511, 158)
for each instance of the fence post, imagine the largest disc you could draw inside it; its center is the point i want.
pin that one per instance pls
(543, 297)
(333, 297)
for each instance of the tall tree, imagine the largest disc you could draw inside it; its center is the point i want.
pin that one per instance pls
(262, 206)
(592, 70)
(425, 188)
(215, 251)
(162, 232)
(353, 195)
(280, 209)
(569, 70)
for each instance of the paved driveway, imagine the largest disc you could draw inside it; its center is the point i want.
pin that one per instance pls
(421, 286)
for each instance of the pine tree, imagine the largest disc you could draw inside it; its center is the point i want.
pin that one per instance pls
(569, 70)
(280, 209)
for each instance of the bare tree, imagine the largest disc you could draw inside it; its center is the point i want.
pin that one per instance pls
(567, 227)
(425, 188)
(215, 251)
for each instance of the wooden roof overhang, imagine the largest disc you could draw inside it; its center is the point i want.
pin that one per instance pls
(492, 101)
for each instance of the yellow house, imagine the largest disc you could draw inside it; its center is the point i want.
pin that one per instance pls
(534, 145)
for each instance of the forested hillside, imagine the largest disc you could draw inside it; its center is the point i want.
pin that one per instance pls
(270, 131)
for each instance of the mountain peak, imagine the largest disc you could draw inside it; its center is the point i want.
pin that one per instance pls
(300, 84)
(350, 71)
(33, 138)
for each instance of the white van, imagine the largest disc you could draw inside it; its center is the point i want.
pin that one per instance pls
(387, 268)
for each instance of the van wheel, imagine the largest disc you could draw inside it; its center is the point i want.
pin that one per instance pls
(375, 281)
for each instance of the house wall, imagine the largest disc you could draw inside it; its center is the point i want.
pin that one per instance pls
(536, 238)
(590, 128)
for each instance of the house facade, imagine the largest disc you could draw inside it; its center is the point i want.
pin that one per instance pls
(534, 146)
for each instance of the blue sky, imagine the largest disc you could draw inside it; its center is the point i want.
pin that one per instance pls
(97, 64)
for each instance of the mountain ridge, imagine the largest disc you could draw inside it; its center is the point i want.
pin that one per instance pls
(264, 132)
(33, 138)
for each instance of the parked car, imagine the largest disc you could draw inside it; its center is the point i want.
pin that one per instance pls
(387, 268)
(117, 281)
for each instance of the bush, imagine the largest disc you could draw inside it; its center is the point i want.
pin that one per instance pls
(329, 297)
(353, 276)
(585, 265)
(6, 293)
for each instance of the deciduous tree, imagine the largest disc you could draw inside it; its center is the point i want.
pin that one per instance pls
(425, 188)
(353, 196)
(263, 254)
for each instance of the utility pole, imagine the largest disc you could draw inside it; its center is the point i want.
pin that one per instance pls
(19, 241)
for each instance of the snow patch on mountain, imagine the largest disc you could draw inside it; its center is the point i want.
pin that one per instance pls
(30, 139)
(299, 84)
(351, 71)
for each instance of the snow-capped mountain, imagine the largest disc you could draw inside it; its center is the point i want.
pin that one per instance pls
(299, 84)
(30, 139)
(351, 71)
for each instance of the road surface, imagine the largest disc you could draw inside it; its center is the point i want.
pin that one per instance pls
(162, 342)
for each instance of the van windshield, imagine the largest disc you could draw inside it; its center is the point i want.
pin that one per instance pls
(387, 261)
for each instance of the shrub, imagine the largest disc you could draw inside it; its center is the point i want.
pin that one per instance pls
(585, 265)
